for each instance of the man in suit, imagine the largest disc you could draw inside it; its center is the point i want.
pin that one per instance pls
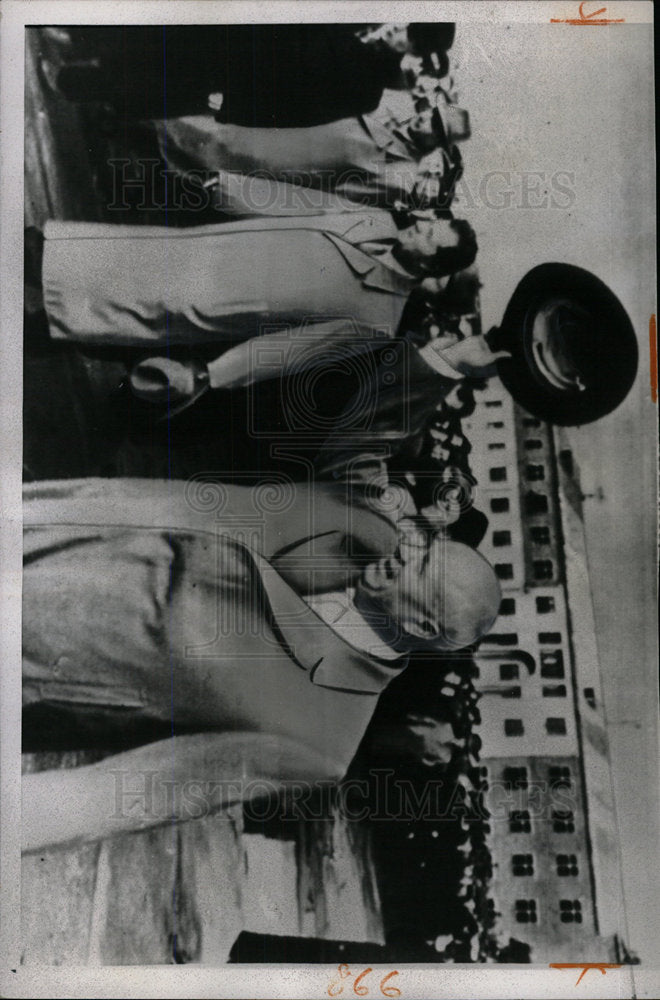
(156, 608)
(270, 75)
(360, 159)
(150, 286)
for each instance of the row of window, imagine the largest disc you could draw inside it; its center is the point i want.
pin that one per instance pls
(493, 404)
(570, 911)
(544, 606)
(558, 774)
(553, 727)
(531, 444)
(535, 503)
(547, 691)
(563, 821)
(543, 569)
(534, 473)
(511, 638)
(539, 534)
(566, 865)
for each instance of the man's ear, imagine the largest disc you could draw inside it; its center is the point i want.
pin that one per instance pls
(422, 628)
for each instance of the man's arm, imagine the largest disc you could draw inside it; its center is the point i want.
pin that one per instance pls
(396, 404)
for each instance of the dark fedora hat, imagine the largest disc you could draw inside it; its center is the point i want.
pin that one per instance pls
(574, 349)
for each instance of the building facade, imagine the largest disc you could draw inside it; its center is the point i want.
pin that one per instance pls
(556, 882)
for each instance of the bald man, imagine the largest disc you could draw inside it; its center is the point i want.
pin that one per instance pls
(284, 612)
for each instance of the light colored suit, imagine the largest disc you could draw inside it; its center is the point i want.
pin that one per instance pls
(146, 286)
(149, 605)
(358, 158)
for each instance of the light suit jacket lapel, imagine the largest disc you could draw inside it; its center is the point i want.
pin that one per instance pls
(154, 505)
(316, 648)
(372, 227)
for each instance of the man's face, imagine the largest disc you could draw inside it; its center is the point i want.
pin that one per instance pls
(425, 236)
(421, 130)
(402, 588)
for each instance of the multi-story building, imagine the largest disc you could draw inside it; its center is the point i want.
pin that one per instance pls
(556, 883)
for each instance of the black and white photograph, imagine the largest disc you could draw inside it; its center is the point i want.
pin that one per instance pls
(329, 503)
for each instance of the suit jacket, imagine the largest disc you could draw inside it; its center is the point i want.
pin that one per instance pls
(359, 158)
(144, 612)
(271, 75)
(296, 75)
(135, 286)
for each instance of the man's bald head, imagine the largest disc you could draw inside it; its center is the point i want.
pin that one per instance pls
(465, 590)
(443, 597)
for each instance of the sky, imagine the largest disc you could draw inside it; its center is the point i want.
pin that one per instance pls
(575, 106)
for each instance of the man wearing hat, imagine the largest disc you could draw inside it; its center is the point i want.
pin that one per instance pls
(565, 349)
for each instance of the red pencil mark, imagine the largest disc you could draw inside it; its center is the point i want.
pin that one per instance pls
(653, 350)
(360, 989)
(585, 966)
(588, 18)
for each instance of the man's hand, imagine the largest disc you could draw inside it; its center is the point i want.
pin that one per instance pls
(473, 357)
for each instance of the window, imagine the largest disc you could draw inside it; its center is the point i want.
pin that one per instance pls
(567, 864)
(515, 776)
(531, 444)
(550, 638)
(535, 473)
(497, 474)
(555, 727)
(499, 505)
(509, 671)
(508, 606)
(512, 692)
(519, 821)
(540, 534)
(590, 697)
(526, 911)
(514, 727)
(501, 538)
(496, 425)
(504, 571)
(544, 605)
(563, 821)
(531, 422)
(554, 691)
(522, 864)
(496, 445)
(560, 776)
(552, 664)
(543, 569)
(492, 403)
(570, 911)
(536, 503)
(503, 638)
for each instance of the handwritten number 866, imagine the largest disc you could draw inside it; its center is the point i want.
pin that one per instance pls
(360, 990)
